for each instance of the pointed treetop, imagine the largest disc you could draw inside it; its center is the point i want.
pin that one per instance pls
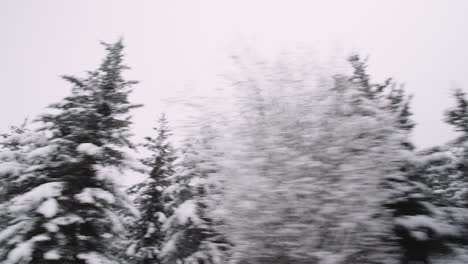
(458, 115)
(360, 70)
(114, 57)
(362, 78)
(162, 130)
(399, 103)
(162, 121)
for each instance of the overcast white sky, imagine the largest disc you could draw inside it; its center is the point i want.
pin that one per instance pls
(174, 44)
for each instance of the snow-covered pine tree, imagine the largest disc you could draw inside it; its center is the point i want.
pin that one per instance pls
(444, 165)
(400, 104)
(457, 188)
(23, 150)
(410, 197)
(447, 164)
(11, 152)
(452, 183)
(67, 201)
(362, 78)
(439, 165)
(444, 170)
(150, 198)
(191, 234)
(13, 149)
(458, 115)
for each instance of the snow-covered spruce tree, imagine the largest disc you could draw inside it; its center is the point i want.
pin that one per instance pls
(67, 204)
(22, 151)
(444, 166)
(191, 234)
(387, 95)
(454, 183)
(439, 165)
(11, 156)
(411, 202)
(444, 170)
(150, 198)
(457, 188)
(362, 78)
(14, 146)
(458, 115)
(447, 164)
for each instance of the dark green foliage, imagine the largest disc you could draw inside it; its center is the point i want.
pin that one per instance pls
(458, 116)
(362, 78)
(88, 130)
(410, 195)
(150, 197)
(191, 237)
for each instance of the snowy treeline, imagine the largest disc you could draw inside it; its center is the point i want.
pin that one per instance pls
(296, 165)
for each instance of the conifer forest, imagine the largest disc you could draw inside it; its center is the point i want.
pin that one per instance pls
(286, 162)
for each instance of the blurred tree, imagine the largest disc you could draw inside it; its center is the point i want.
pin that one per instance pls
(307, 169)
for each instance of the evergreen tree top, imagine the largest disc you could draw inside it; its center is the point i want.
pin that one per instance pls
(387, 94)
(362, 78)
(98, 104)
(159, 145)
(458, 115)
(66, 205)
